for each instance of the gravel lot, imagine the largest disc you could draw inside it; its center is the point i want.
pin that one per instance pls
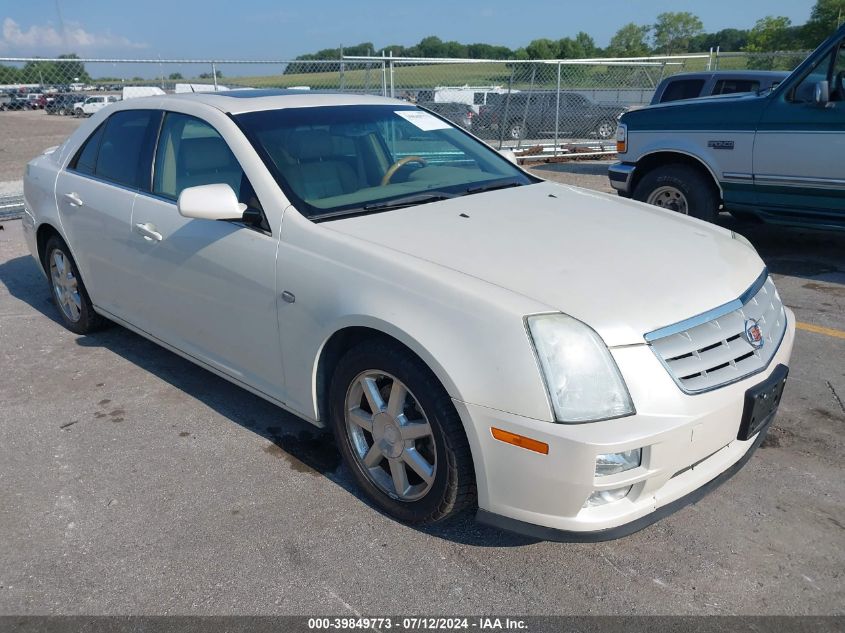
(134, 482)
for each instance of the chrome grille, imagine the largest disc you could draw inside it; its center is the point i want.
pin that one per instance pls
(712, 349)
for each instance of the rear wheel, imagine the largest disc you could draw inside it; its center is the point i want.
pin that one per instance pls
(62, 112)
(679, 188)
(606, 129)
(399, 433)
(69, 293)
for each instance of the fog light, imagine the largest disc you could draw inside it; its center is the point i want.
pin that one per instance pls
(601, 497)
(612, 463)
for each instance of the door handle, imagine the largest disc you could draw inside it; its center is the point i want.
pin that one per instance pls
(148, 230)
(73, 199)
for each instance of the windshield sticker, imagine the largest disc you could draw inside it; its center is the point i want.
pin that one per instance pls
(423, 120)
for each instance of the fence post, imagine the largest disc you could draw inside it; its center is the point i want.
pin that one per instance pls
(524, 129)
(214, 74)
(507, 107)
(392, 85)
(342, 69)
(383, 75)
(557, 110)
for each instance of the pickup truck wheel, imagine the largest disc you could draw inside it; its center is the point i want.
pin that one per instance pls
(516, 131)
(68, 290)
(62, 112)
(606, 130)
(399, 433)
(679, 188)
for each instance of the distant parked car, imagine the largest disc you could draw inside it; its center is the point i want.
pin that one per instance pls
(36, 100)
(62, 104)
(540, 113)
(93, 104)
(721, 82)
(14, 101)
(458, 113)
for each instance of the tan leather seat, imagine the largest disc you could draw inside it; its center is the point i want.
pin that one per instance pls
(316, 172)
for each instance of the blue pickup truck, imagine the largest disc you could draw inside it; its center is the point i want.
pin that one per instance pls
(778, 155)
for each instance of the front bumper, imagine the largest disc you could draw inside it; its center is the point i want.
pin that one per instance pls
(689, 445)
(621, 177)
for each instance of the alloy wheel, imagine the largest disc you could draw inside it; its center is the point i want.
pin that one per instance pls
(65, 286)
(391, 438)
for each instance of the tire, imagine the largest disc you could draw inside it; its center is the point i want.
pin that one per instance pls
(516, 131)
(606, 129)
(71, 298)
(445, 449)
(61, 112)
(679, 188)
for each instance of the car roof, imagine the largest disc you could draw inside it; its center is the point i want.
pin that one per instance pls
(240, 101)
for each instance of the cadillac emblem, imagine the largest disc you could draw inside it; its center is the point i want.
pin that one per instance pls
(753, 334)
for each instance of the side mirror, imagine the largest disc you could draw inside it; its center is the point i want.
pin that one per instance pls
(821, 95)
(210, 202)
(509, 155)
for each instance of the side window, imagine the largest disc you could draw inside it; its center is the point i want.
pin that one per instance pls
(85, 160)
(682, 89)
(191, 153)
(731, 86)
(804, 92)
(837, 89)
(122, 148)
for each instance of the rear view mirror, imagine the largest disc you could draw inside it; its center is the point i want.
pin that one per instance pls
(822, 93)
(210, 202)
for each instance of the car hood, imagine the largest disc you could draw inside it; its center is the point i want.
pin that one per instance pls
(620, 266)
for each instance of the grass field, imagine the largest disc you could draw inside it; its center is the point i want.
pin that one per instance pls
(502, 73)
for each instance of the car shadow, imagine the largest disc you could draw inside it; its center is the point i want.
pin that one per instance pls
(817, 254)
(297, 443)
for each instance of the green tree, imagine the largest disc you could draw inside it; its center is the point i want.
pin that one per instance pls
(542, 48)
(630, 41)
(50, 72)
(772, 33)
(10, 75)
(726, 40)
(826, 17)
(175, 76)
(674, 31)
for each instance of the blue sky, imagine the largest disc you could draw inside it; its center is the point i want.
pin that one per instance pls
(262, 29)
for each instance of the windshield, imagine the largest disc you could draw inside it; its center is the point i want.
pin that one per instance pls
(341, 160)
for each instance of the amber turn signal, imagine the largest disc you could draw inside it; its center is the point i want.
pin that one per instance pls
(520, 440)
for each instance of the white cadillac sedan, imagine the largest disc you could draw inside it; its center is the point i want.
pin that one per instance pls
(574, 365)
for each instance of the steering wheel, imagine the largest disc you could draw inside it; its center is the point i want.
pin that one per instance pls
(391, 171)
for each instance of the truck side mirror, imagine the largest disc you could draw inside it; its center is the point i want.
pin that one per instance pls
(821, 95)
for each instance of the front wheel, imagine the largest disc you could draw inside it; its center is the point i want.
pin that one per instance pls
(69, 293)
(516, 131)
(399, 433)
(679, 188)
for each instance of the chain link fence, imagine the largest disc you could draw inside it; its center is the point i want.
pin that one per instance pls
(541, 109)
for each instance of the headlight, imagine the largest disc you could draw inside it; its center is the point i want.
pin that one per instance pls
(582, 379)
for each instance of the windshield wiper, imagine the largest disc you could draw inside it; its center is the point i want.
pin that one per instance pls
(492, 186)
(407, 201)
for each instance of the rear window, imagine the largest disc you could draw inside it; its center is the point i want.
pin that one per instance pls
(122, 145)
(682, 89)
(730, 86)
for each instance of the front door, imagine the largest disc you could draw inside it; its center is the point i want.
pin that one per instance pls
(800, 145)
(206, 287)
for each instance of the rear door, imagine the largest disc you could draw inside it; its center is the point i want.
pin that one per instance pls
(95, 193)
(205, 287)
(800, 145)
